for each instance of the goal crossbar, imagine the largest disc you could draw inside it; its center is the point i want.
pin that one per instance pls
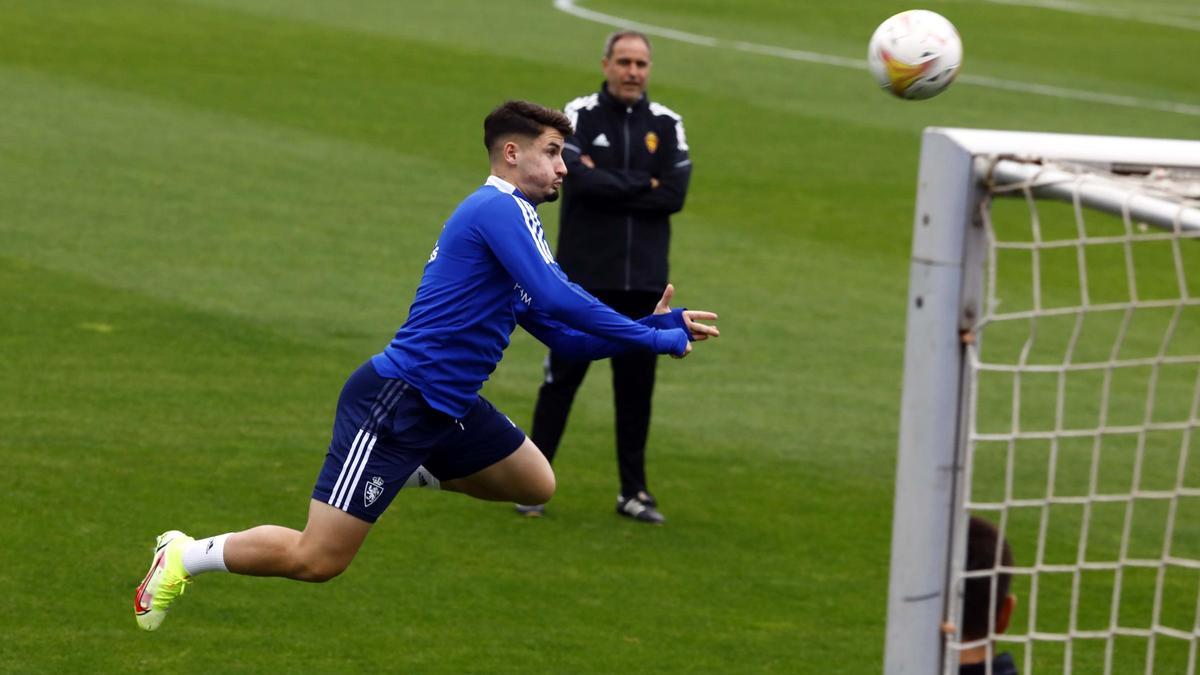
(1096, 192)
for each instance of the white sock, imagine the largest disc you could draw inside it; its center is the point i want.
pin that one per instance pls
(421, 478)
(205, 555)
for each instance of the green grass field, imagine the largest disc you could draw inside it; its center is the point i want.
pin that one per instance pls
(214, 210)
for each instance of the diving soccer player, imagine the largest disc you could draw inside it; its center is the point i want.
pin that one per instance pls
(412, 416)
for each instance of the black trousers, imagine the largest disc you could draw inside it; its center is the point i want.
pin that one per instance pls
(633, 389)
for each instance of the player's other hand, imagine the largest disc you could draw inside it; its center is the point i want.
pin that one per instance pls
(691, 317)
(587, 161)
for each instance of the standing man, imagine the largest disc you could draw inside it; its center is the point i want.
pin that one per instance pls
(412, 416)
(628, 172)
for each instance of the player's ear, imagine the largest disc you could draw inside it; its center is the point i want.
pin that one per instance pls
(1005, 615)
(510, 150)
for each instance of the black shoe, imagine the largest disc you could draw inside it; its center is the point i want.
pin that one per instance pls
(641, 506)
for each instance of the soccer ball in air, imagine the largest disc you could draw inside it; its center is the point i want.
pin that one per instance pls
(915, 54)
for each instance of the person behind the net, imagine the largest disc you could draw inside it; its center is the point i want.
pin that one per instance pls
(983, 603)
(629, 171)
(412, 416)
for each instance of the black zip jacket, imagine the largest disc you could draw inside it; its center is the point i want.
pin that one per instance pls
(614, 229)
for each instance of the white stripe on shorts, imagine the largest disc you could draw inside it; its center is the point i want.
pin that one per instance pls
(358, 474)
(345, 465)
(356, 453)
(355, 462)
(364, 441)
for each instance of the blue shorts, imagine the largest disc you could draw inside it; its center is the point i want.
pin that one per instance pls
(384, 430)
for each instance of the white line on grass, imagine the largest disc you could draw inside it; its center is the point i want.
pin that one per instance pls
(571, 8)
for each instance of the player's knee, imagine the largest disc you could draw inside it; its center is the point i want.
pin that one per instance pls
(539, 490)
(323, 571)
(319, 569)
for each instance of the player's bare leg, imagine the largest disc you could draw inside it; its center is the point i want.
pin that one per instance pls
(328, 543)
(322, 551)
(524, 477)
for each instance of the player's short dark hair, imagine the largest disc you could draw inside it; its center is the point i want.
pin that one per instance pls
(616, 37)
(979, 594)
(522, 118)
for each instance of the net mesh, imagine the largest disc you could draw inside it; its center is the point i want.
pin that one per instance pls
(1081, 441)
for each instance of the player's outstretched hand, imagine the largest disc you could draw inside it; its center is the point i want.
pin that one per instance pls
(691, 317)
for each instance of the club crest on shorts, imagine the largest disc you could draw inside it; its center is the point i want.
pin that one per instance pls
(372, 490)
(652, 142)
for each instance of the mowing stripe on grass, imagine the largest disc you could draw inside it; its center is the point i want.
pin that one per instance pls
(571, 8)
(1105, 12)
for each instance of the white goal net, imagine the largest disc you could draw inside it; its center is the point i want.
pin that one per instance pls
(1052, 387)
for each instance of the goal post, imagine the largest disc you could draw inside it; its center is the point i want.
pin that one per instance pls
(1031, 244)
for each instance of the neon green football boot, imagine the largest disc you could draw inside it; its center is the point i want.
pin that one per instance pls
(164, 583)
